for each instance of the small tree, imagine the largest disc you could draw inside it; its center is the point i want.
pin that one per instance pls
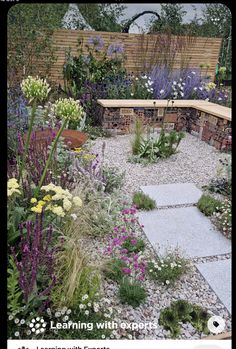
(30, 29)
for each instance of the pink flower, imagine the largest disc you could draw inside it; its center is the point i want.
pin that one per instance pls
(126, 270)
(133, 242)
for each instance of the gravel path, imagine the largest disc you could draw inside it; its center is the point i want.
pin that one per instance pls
(196, 162)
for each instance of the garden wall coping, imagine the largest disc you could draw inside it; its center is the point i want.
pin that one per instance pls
(207, 107)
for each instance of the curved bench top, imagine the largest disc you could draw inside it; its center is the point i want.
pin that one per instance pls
(207, 107)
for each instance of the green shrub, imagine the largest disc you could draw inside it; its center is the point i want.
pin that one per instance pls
(183, 311)
(208, 205)
(151, 148)
(134, 245)
(168, 269)
(113, 269)
(113, 178)
(131, 292)
(143, 201)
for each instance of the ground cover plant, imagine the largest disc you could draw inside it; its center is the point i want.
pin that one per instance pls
(183, 311)
(208, 205)
(143, 201)
(169, 268)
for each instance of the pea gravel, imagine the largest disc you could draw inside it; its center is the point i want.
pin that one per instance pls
(196, 162)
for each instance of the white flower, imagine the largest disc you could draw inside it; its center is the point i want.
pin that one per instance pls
(200, 88)
(17, 334)
(81, 306)
(162, 91)
(182, 94)
(74, 216)
(150, 270)
(86, 312)
(85, 297)
(167, 282)
(193, 72)
(219, 99)
(174, 82)
(195, 88)
(131, 94)
(179, 85)
(136, 79)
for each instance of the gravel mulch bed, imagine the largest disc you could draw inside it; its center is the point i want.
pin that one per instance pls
(196, 161)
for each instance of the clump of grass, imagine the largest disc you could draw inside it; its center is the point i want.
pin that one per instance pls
(143, 201)
(208, 205)
(138, 137)
(131, 292)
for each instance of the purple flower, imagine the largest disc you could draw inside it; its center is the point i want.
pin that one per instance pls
(115, 49)
(97, 42)
(126, 270)
(133, 241)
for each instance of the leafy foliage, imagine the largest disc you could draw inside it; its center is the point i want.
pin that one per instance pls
(168, 269)
(183, 311)
(113, 269)
(134, 245)
(153, 149)
(208, 205)
(14, 294)
(30, 28)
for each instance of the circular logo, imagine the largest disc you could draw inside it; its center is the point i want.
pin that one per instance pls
(216, 324)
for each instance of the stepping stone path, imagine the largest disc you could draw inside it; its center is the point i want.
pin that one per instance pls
(171, 225)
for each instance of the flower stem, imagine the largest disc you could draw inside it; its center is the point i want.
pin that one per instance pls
(22, 165)
(54, 144)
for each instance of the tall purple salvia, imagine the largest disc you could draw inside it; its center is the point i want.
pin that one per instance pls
(35, 258)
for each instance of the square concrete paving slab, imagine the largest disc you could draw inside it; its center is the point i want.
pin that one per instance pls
(173, 194)
(185, 227)
(218, 275)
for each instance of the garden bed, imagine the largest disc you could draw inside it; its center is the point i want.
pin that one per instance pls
(195, 162)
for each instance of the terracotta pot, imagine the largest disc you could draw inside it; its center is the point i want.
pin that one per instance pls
(72, 138)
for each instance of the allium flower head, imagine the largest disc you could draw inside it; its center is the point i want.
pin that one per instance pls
(68, 108)
(97, 42)
(115, 49)
(35, 88)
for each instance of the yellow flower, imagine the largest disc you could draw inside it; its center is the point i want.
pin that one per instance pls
(67, 204)
(41, 202)
(77, 150)
(77, 201)
(37, 209)
(47, 198)
(33, 200)
(12, 187)
(58, 210)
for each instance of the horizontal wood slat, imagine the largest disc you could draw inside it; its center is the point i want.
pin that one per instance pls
(139, 49)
